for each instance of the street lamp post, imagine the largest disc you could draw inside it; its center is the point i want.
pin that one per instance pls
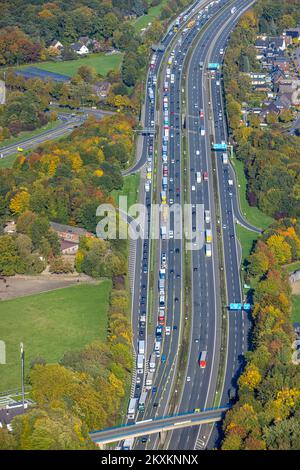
(22, 371)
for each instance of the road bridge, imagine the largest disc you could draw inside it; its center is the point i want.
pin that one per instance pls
(158, 425)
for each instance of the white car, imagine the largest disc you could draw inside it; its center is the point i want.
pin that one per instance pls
(171, 234)
(197, 152)
(188, 379)
(168, 330)
(193, 188)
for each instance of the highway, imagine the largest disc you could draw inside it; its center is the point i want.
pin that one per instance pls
(200, 390)
(178, 76)
(172, 248)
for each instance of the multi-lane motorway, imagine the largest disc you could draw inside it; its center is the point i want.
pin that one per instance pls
(179, 77)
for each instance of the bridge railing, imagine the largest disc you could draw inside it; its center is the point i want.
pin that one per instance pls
(158, 418)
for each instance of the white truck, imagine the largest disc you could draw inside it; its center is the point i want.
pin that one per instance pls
(157, 348)
(149, 380)
(152, 361)
(225, 158)
(132, 408)
(128, 444)
(207, 216)
(140, 363)
(208, 249)
(163, 232)
(141, 347)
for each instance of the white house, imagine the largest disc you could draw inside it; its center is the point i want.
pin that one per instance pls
(80, 49)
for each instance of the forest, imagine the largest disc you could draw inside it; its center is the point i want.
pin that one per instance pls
(64, 182)
(266, 414)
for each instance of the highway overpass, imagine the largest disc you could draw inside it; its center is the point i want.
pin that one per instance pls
(158, 425)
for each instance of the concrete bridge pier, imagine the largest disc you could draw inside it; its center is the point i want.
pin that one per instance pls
(162, 437)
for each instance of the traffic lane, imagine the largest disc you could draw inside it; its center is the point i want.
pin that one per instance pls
(193, 87)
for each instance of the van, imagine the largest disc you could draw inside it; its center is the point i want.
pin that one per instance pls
(198, 177)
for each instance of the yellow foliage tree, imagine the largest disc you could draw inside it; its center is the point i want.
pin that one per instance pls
(280, 249)
(250, 378)
(20, 202)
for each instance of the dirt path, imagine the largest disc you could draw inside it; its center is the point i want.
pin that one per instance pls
(20, 286)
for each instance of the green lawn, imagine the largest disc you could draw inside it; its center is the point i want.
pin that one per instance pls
(246, 238)
(130, 189)
(7, 162)
(101, 62)
(252, 214)
(296, 308)
(290, 268)
(153, 13)
(28, 134)
(50, 324)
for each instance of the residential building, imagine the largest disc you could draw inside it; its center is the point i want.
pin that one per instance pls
(79, 48)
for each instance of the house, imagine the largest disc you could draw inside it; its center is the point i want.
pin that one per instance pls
(102, 89)
(10, 227)
(69, 233)
(79, 48)
(277, 43)
(56, 45)
(85, 41)
(271, 108)
(293, 33)
(68, 248)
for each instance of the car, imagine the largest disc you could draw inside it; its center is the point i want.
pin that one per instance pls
(197, 410)
(155, 405)
(138, 386)
(177, 276)
(176, 299)
(168, 330)
(196, 340)
(193, 188)
(188, 379)
(138, 380)
(144, 440)
(145, 268)
(175, 327)
(20, 149)
(163, 358)
(177, 250)
(154, 389)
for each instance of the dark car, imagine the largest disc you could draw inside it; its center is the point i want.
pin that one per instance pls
(155, 405)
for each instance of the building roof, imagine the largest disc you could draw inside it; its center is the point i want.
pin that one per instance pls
(77, 46)
(66, 245)
(68, 228)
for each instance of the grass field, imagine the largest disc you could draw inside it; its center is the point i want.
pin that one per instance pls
(246, 238)
(130, 189)
(50, 324)
(290, 268)
(153, 13)
(101, 62)
(296, 309)
(252, 214)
